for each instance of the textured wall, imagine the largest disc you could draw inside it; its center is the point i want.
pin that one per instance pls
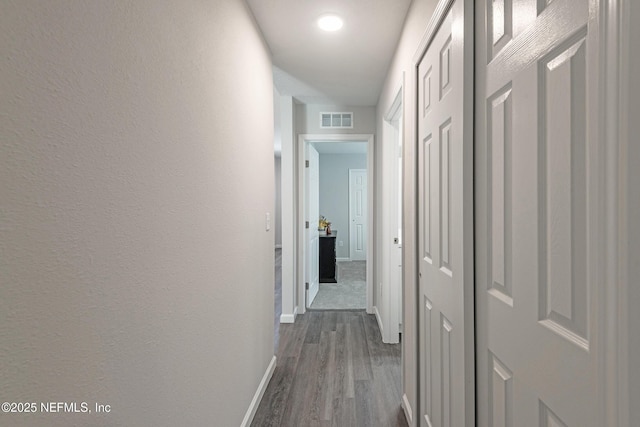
(135, 269)
(334, 193)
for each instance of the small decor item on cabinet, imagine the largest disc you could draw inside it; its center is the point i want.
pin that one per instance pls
(328, 231)
(323, 223)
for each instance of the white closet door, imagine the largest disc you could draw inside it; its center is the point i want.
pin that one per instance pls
(446, 353)
(537, 222)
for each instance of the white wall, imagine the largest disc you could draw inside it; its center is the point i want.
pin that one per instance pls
(278, 202)
(334, 193)
(277, 123)
(416, 22)
(277, 147)
(289, 188)
(308, 119)
(132, 273)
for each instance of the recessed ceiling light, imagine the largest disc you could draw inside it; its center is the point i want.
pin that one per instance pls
(330, 22)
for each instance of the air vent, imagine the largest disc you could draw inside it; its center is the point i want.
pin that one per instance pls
(338, 120)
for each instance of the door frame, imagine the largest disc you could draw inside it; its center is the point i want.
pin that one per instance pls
(304, 139)
(616, 324)
(388, 308)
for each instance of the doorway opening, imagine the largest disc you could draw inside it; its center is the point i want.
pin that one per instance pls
(343, 226)
(329, 277)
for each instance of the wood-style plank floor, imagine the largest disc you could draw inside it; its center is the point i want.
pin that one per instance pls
(333, 370)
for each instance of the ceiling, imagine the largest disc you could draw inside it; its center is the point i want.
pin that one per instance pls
(346, 67)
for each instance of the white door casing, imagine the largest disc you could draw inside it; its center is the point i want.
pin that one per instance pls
(389, 301)
(538, 205)
(312, 196)
(445, 222)
(299, 257)
(358, 214)
(395, 261)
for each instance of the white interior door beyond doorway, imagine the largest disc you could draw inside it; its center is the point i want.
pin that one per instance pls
(303, 141)
(357, 214)
(445, 222)
(312, 213)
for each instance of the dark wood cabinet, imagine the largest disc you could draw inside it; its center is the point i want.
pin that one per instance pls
(327, 254)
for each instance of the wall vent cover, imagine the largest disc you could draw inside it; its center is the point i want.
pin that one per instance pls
(336, 120)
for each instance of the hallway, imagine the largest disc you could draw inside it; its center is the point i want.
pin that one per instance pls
(333, 370)
(138, 220)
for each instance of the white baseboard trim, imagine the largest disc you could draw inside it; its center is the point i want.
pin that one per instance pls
(379, 319)
(343, 259)
(406, 407)
(289, 318)
(255, 402)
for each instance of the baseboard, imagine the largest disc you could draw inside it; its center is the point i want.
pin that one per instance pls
(262, 387)
(343, 259)
(289, 318)
(406, 407)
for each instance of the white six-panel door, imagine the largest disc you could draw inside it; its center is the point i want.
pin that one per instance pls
(358, 214)
(313, 215)
(537, 201)
(445, 229)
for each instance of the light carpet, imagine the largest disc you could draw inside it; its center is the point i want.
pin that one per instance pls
(349, 293)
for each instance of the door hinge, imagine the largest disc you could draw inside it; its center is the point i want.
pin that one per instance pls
(306, 224)
(306, 163)
(306, 285)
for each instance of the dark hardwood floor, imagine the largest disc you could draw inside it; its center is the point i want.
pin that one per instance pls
(333, 370)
